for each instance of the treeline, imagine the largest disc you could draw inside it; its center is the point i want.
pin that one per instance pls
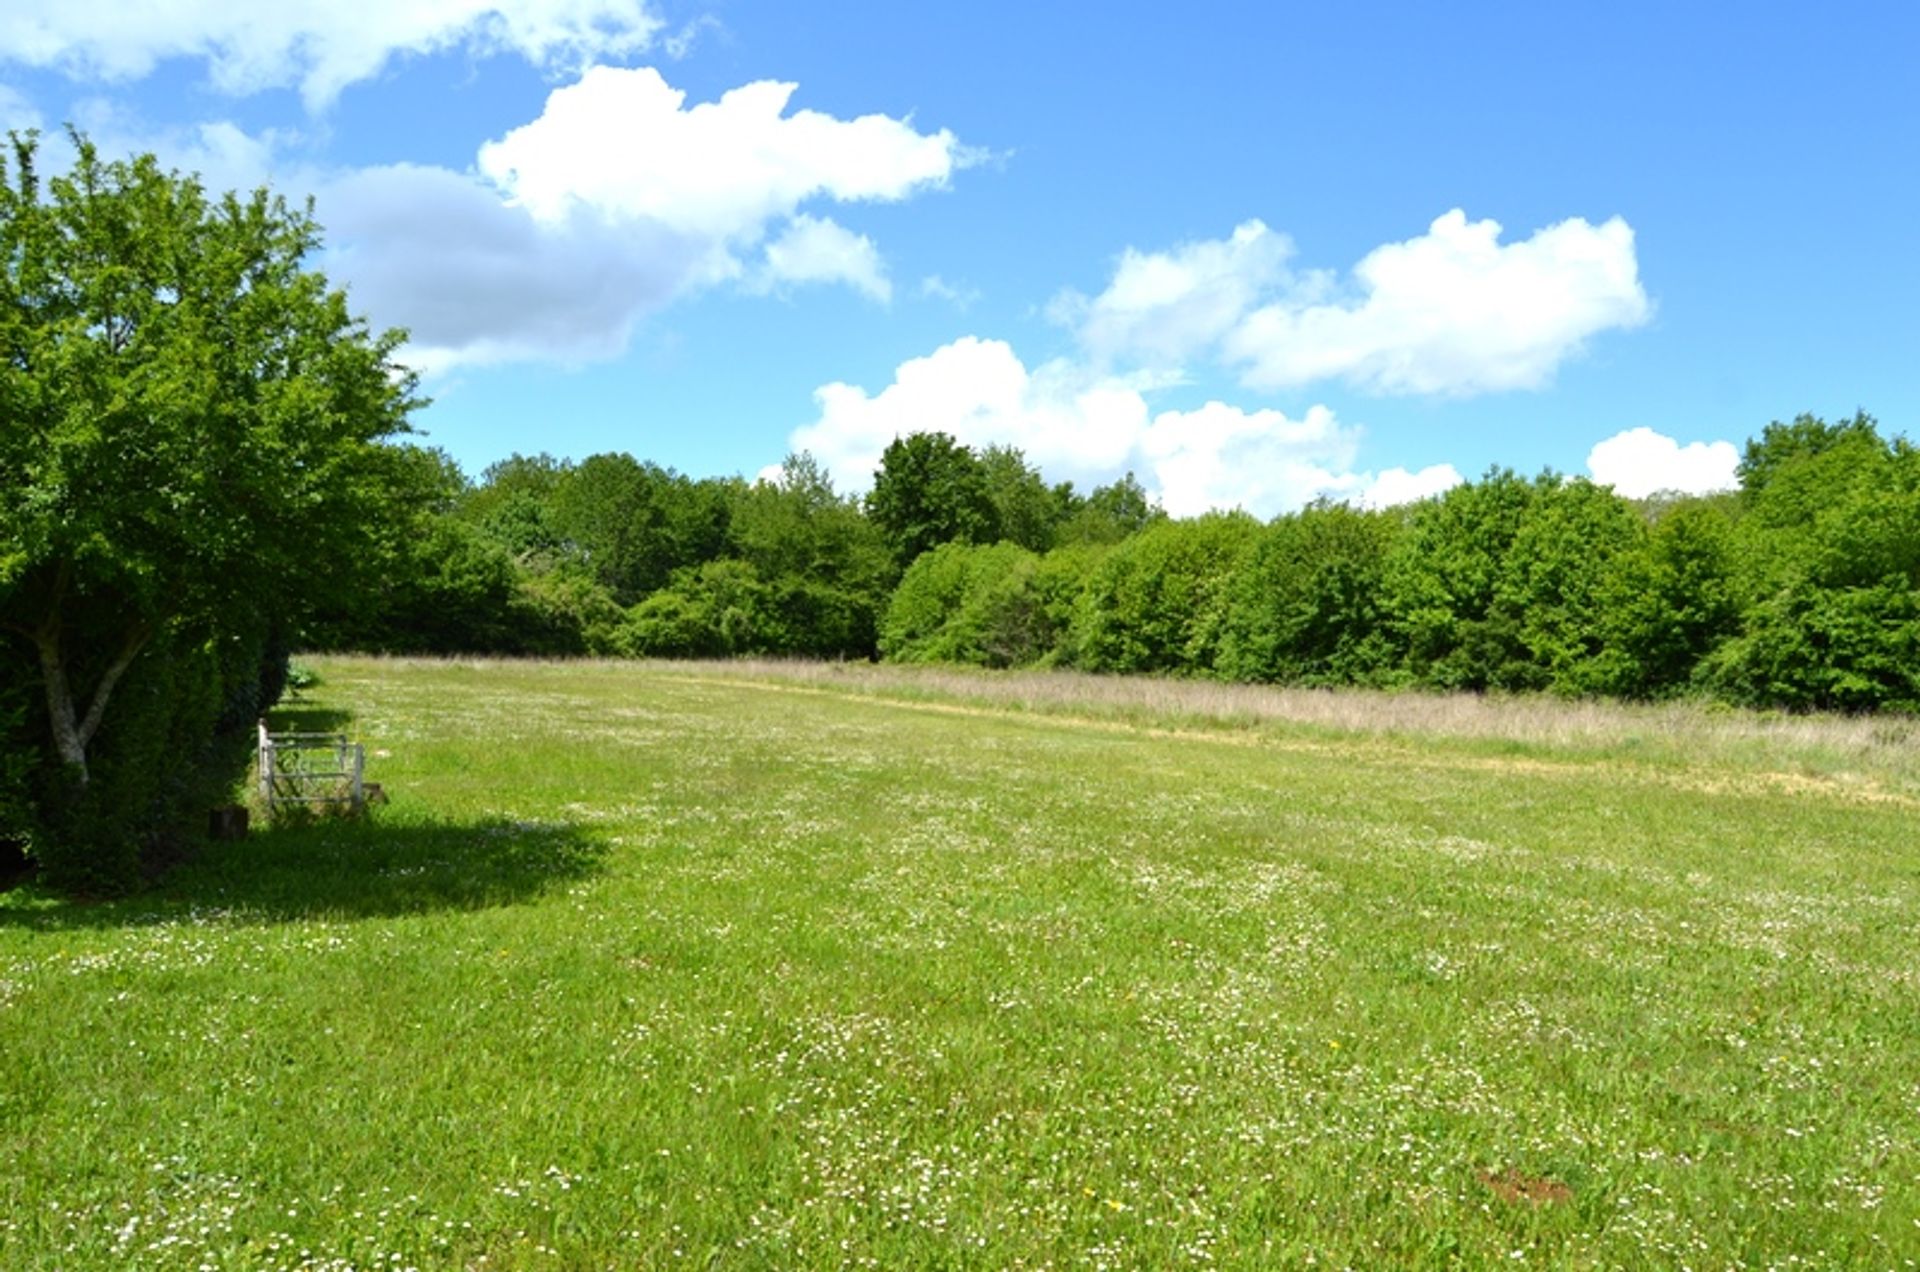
(616, 556)
(1799, 590)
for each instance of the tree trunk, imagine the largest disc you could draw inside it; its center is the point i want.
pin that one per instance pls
(67, 743)
(71, 733)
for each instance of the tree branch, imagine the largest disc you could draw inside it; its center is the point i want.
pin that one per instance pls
(137, 638)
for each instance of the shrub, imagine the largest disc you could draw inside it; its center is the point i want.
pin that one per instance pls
(562, 612)
(1158, 602)
(960, 603)
(1557, 584)
(1834, 649)
(1442, 586)
(1304, 608)
(1667, 604)
(717, 610)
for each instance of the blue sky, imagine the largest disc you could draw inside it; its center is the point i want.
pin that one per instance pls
(1248, 252)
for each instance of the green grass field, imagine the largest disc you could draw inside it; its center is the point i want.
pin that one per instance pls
(763, 967)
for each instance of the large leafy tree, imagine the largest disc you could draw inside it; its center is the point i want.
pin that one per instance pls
(635, 523)
(1108, 515)
(190, 425)
(1828, 571)
(1442, 593)
(1026, 509)
(930, 490)
(1305, 605)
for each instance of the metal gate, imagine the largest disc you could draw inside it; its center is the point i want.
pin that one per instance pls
(311, 768)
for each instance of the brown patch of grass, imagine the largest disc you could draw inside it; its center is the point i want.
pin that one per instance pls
(1515, 1187)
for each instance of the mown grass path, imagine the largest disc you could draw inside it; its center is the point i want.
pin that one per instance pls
(649, 967)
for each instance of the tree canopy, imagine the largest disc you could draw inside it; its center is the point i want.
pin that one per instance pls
(191, 427)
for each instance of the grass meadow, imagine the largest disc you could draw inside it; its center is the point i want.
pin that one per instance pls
(774, 966)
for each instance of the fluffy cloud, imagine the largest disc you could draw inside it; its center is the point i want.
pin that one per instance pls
(1639, 462)
(619, 199)
(815, 250)
(623, 144)
(476, 281)
(1162, 307)
(319, 46)
(1075, 421)
(1221, 456)
(1451, 312)
(224, 155)
(980, 392)
(1398, 486)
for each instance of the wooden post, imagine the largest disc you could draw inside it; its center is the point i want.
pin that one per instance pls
(359, 773)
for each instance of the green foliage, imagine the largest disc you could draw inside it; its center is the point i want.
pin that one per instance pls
(827, 568)
(1059, 581)
(447, 588)
(1782, 469)
(1791, 592)
(634, 524)
(193, 455)
(523, 526)
(1668, 604)
(1159, 602)
(717, 610)
(1556, 585)
(1025, 510)
(533, 479)
(964, 603)
(562, 612)
(1305, 606)
(1829, 572)
(930, 490)
(1831, 649)
(1443, 585)
(1110, 514)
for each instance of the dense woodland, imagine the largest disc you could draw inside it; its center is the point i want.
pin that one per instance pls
(204, 464)
(1800, 590)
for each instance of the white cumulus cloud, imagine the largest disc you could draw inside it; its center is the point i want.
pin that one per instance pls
(476, 281)
(319, 46)
(617, 200)
(1453, 311)
(624, 144)
(1221, 456)
(1398, 486)
(1162, 307)
(1073, 420)
(817, 250)
(980, 392)
(1640, 462)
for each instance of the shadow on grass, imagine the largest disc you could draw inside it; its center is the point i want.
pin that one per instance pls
(343, 869)
(304, 718)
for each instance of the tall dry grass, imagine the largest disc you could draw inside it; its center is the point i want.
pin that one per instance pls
(1885, 748)
(1882, 750)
